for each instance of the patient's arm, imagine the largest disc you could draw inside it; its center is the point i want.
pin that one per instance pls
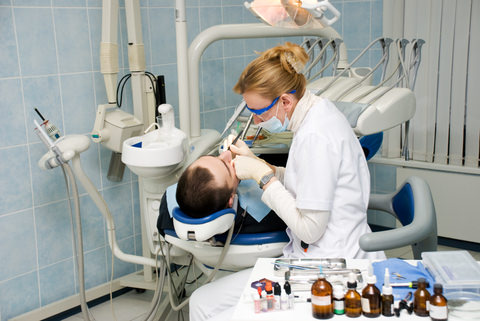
(308, 225)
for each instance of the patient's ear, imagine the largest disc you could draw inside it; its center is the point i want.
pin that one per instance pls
(230, 200)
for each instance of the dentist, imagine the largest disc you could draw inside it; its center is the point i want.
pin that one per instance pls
(322, 194)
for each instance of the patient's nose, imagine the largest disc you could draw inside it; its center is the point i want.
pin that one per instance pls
(226, 156)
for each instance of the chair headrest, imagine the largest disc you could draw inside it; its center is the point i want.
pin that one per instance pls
(201, 229)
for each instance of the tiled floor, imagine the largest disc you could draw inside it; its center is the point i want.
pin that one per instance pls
(133, 306)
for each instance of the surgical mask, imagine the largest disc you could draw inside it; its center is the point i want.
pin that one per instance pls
(274, 125)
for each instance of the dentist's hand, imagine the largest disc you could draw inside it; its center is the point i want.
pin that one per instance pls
(250, 168)
(240, 147)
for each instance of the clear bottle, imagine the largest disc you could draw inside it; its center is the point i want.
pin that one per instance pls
(421, 299)
(438, 304)
(322, 304)
(387, 296)
(353, 305)
(371, 298)
(270, 298)
(290, 296)
(338, 300)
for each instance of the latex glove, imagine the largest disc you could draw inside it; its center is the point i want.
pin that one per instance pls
(251, 168)
(240, 147)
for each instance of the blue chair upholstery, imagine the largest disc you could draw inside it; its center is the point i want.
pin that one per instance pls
(371, 144)
(412, 205)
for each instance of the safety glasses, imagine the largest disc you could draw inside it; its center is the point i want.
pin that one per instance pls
(261, 111)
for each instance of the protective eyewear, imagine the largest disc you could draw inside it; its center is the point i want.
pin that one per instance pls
(261, 111)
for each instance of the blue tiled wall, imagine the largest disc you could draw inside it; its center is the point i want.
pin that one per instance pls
(49, 59)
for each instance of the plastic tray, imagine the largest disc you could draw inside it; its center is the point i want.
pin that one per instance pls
(457, 271)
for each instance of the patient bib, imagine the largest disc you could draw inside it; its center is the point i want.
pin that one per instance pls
(171, 199)
(249, 197)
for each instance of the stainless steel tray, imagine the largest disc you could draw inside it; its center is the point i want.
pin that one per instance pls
(301, 273)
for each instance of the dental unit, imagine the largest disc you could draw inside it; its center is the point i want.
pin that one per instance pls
(158, 152)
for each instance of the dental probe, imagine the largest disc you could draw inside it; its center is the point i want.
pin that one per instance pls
(256, 135)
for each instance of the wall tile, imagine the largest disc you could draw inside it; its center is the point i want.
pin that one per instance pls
(73, 51)
(210, 17)
(193, 23)
(19, 295)
(57, 281)
(233, 69)
(54, 233)
(8, 48)
(78, 103)
(356, 24)
(15, 182)
(42, 93)
(162, 24)
(95, 24)
(95, 268)
(212, 73)
(235, 48)
(69, 3)
(377, 19)
(17, 244)
(37, 37)
(137, 221)
(119, 201)
(12, 122)
(215, 119)
(32, 3)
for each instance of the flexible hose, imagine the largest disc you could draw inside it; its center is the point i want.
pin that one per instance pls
(78, 255)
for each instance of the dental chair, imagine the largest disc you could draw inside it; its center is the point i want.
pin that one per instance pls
(412, 205)
(207, 238)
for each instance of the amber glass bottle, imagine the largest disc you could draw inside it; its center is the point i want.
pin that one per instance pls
(371, 298)
(421, 299)
(322, 304)
(438, 304)
(353, 305)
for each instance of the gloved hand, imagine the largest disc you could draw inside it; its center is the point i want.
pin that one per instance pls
(241, 148)
(251, 168)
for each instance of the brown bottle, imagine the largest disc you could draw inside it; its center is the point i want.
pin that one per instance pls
(322, 304)
(438, 304)
(371, 298)
(353, 305)
(421, 299)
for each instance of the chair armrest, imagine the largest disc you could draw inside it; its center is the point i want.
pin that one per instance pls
(392, 239)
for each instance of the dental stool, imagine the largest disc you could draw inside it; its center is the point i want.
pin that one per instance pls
(412, 204)
(205, 239)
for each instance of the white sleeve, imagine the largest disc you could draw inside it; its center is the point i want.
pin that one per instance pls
(308, 225)
(280, 173)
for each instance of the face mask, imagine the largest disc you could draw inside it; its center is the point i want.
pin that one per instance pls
(274, 125)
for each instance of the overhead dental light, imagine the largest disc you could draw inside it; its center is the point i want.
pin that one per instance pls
(294, 13)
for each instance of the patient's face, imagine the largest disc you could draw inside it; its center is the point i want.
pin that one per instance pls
(221, 167)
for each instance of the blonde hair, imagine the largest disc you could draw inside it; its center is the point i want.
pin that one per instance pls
(274, 72)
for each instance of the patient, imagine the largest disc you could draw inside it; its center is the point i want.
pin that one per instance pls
(207, 186)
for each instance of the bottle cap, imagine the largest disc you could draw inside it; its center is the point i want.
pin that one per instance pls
(352, 281)
(421, 280)
(437, 286)
(371, 279)
(287, 288)
(277, 289)
(338, 291)
(387, 290)
(268, 287)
